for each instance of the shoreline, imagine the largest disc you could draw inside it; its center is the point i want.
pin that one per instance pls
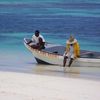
(24, 86)
(89, 73)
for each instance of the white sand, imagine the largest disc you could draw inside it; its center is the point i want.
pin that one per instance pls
(21, 86)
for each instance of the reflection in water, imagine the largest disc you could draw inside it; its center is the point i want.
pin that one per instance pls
(72, 72)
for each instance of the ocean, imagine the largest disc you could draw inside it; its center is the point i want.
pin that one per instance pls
(56, 20)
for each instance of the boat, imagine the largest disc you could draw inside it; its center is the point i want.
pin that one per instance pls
(53, 54)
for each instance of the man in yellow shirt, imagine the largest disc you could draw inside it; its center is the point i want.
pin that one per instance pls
(72, 51)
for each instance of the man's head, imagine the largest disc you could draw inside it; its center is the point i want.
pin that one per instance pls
(71, 40)
(37, 33)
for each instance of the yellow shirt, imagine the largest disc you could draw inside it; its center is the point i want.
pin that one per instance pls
(75, 47)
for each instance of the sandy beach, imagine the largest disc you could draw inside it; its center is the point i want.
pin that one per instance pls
(24, 86)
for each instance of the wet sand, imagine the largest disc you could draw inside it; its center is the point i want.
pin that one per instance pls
(92, 73)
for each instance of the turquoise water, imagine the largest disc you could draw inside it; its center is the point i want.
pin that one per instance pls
(56, 20)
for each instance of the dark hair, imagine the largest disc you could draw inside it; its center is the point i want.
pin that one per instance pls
(37, 31)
